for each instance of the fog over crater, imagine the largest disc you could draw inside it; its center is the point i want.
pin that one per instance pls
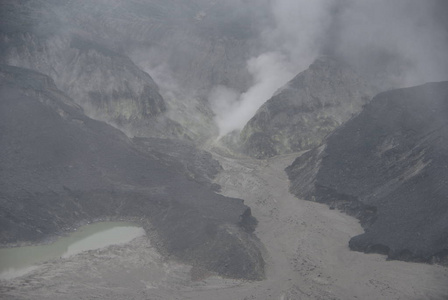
(269, 149)
(391, 43)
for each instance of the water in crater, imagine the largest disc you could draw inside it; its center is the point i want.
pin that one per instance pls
(18, 261)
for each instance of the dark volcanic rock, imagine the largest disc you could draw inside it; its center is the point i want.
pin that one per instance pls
(389, 167)
(87, 47)
(196, 164)
(308, 108)
(106, 83)
(59, 168)
(202, 42)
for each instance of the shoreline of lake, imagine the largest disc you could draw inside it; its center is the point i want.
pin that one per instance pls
(91, 236)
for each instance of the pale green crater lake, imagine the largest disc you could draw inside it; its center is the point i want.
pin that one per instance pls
(18, 261)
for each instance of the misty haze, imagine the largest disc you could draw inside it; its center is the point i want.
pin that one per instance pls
(237, 149)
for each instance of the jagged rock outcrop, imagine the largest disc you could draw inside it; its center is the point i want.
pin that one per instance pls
(187, 46)
(202, 42)
(389, 167)
(59, 168)
(87, 47)
(309, 107)
(106, 83)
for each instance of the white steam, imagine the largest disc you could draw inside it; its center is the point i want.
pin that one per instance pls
(398, 39)
(393, 43)
(300, 26)
(291, 46)
(233, 110)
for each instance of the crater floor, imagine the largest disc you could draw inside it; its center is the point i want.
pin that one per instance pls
(307, 256)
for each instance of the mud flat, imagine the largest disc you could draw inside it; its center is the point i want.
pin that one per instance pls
(306, 253)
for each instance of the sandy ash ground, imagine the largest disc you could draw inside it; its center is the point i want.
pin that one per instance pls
(307, 256)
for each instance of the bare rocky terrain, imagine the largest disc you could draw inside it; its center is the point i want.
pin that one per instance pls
(108, 112)
(61, 169)
(309, 107)
(388, 167)
(306, 253)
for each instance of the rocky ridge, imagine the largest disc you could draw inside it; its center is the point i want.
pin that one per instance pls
(60, 169)
(106, 84)
(92, 70)
(388, 167)
(309, 107)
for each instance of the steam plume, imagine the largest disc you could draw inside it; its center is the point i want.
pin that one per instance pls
(393, 43)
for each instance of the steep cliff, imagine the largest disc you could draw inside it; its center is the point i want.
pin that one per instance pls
(202, 42)
(388, 167)
(106, 83)
(60, 169)
(91, 48)
(309, 107)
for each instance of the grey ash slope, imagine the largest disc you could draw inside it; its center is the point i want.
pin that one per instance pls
(309, 107)
(389, 167)
(109, 86)
(203, 42)
(106, 83)
(198, 165)
(91, 48)
(60, 168)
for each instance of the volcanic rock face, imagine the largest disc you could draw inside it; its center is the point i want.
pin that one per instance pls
(389, 167)
(204, 42)
(89, 49)
(60, 168)
(308, 108)
(85, 65)
(106, 84)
